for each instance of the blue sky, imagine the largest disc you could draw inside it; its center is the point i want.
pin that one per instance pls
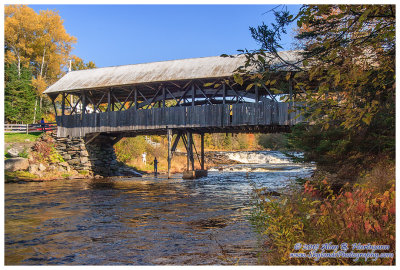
(112, 35)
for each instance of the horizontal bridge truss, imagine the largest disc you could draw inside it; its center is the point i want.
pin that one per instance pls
(159, 95)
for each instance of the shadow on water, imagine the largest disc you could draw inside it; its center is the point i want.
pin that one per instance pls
(134, 221)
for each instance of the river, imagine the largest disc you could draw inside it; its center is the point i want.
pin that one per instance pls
(143, 221)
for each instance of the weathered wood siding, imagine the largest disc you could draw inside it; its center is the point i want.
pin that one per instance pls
(208, 116)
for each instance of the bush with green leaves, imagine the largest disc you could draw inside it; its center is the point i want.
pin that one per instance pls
(272, 141)
(130, 148)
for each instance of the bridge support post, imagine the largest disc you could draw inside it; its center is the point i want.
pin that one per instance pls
(202, 151)
(169, 137)
(190, 172)
(191, 150)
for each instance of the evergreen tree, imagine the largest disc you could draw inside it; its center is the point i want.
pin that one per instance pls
(19, 94)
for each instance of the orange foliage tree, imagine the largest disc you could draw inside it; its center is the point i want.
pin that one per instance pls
(38, 41)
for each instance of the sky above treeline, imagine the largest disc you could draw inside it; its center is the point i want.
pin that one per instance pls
(112, 35)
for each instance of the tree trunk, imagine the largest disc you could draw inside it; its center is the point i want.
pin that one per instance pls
(34, 114)
(41, 76)
(19, 66)
(40, 103)
(42, 65)
(19, 61)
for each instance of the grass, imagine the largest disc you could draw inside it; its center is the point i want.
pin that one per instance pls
(83, 172)
(19, 175)
(21, 137)
(66, 175)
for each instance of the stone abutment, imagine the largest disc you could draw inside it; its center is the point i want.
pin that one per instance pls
(97, 157)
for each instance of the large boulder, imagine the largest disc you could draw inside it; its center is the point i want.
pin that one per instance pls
(13, 152)
(16, 164)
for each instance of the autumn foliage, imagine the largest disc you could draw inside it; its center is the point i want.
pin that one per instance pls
(361, 213)
(38, 43)
(37, 40)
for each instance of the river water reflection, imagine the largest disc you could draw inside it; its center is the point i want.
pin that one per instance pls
(140, 221)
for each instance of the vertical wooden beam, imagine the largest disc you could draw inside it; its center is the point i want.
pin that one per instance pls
(187, 151)
(136, 103)
(190, 147)
(164, 96)
(202, 151)
(83, 102)
(54, 105)
(193, 94)
(169, 137)
(224, 94)
(72, 101)
(109, 100)
(63, 104)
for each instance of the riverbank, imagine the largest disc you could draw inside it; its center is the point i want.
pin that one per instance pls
(36, 157)
(323, 210)
(39, 157)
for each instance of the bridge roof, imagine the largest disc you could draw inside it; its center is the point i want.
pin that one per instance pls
(174, 70)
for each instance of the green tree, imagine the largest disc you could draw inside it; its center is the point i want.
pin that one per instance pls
(227, 141)
(349, 55)
(272, 141)
(19, 94)
(345, 76)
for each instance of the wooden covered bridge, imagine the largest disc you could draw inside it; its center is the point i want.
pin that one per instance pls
(179, 97)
